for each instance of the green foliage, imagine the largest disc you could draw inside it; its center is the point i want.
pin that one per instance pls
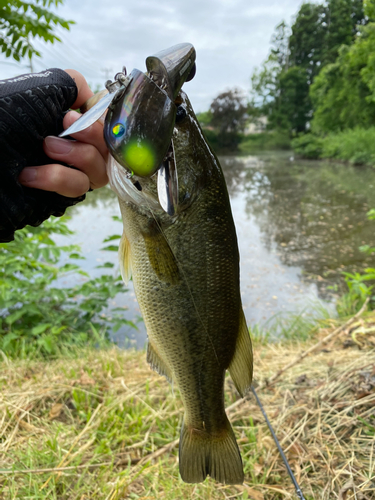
(281, 87)
(308, 146)
(343, 17)
(356, 146)
(204, 118)
(22, 21)
(294, 106)
(272, 140)
(283, 96)
(343, 94)
(369, 8)
(222, 142)
(360, 286)
(308, 38)
(38, 315)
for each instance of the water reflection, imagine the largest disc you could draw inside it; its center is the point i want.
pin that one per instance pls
(299, 225)
(312, 213)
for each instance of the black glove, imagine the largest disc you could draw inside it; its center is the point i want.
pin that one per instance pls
(32, 106)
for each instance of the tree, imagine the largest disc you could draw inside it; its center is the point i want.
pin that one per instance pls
(343, 94)
(280, 44)
(228, 111)
(284, 96)
(307, 41)
(343, 17)
(295, 104)
(281, 87)
(22, 21)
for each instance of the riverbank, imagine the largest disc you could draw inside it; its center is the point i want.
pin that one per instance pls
(236, 143)
(102, 425)
(355, 146)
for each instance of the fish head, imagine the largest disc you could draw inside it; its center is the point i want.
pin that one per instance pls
(190, 161)
(139, 125)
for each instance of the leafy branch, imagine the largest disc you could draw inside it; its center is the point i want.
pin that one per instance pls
(21, 21)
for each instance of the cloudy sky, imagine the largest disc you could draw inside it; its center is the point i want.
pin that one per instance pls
(231, 38)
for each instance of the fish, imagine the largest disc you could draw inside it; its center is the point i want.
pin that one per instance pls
(185, 271)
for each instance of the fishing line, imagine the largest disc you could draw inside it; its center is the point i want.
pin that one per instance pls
(285, 460)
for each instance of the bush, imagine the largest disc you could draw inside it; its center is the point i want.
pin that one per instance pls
(38, 317)
(308, 146)
(223, 142)
(275, 140)
(356, 146)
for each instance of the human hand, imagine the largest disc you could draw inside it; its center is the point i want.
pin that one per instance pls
(88, 153)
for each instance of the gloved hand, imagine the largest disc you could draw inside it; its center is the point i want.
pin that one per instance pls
(32, 107)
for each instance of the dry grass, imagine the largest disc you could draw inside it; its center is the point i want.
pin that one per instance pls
(104, 426)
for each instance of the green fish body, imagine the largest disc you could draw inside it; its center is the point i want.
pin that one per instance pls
(185, 270)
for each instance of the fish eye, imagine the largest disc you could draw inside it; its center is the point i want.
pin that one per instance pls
(180, 113)
(118, 130)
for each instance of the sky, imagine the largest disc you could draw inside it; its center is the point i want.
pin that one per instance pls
(231, 38)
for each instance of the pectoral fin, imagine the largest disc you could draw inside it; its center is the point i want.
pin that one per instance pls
(162, 258)
(124, 259)
(157, 363)
(241, 366)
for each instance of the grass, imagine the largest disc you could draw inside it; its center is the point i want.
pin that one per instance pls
(102, 425)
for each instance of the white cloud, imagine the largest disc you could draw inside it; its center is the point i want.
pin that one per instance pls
(231, 38)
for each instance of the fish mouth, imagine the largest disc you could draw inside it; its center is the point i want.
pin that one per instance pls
(131, 188)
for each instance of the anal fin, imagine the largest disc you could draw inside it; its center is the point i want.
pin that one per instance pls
(241, 366)
(157, 363)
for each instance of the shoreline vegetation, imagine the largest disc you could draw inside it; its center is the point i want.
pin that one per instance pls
(81, 419)
(354, 146)
(99, 423)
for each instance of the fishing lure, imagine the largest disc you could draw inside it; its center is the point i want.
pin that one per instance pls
(141, 113)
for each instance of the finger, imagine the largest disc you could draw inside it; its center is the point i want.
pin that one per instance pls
(85, 157)
(91, 135)
(57, 178)
(84, 91)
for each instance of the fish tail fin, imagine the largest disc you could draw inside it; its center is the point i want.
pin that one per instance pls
(216, 455)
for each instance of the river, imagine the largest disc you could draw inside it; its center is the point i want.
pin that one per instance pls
(299, 225)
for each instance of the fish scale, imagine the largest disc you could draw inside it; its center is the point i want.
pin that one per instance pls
(185, 271)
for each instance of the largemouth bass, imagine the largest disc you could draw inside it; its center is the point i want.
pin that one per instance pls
(185, 270)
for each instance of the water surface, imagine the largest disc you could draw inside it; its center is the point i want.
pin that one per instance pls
(299, 226)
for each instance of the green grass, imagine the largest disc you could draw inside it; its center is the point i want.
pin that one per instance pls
(99, 424)
(301, 326)
(110, 411)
